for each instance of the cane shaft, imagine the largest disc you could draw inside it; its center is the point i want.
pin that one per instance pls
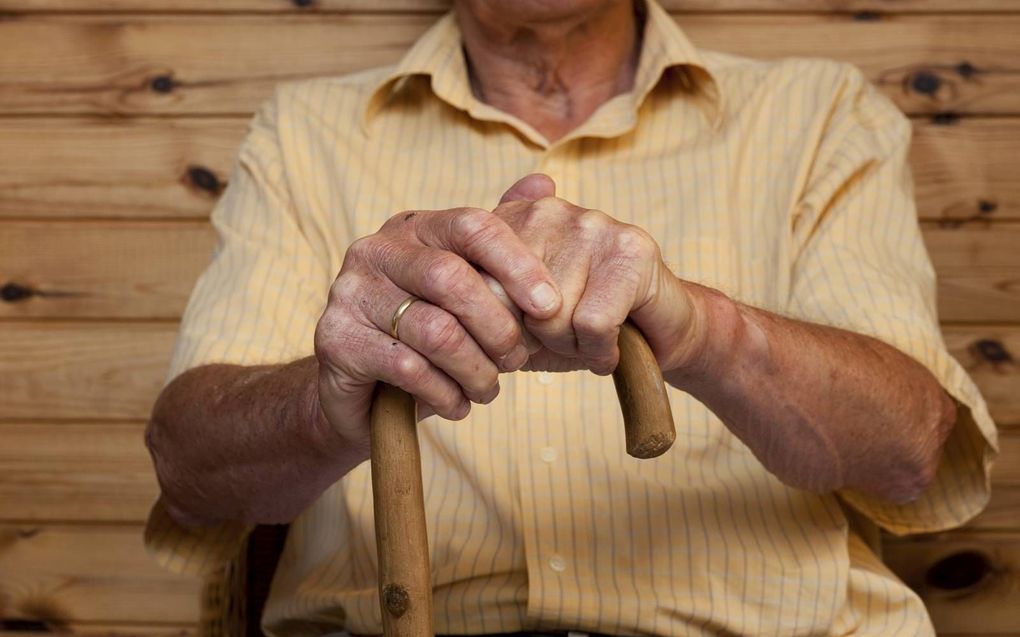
(405, 582)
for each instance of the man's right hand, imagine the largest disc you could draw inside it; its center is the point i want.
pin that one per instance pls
(454, 342)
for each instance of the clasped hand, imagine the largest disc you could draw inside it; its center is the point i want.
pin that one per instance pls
(538, 284)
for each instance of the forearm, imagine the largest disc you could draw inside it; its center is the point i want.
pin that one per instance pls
(245, 443)
(822, 408)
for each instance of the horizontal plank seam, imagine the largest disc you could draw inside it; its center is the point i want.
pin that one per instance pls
(850, 13)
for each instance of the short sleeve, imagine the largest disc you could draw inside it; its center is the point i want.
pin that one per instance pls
(257, 303)
(263, 292)
(859, 263)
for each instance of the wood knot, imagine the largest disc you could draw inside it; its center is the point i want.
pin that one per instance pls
(164, 83)
(14, 292)
(966, 70)
(926, 83)
(948, 118)
(992, 351)
(395, 599)
(959, 571)
(867, 16)
(303, 3)
(204, 179)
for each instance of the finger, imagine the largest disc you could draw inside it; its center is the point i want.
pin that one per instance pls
(572, 265)
(487, 241)
(446, 280)
(364, 355)
(530, 188)
(531, 343)
(438, 336)
(609, 296)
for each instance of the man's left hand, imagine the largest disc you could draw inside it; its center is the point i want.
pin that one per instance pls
(606, 271)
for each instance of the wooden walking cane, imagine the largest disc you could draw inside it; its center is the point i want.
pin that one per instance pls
(405, 583)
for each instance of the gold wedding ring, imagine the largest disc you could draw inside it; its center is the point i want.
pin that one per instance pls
(395, 323)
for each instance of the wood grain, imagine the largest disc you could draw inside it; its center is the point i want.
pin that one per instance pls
(94, 167)
(97, 269)
(101, 472)
(989, 562)
(136, 64)
(113, 371)
(82, 371)
(75, 472)
(91, 573)
(75, 629)
(998, 376)
(174, 168)
(978, 268)
(108, 269)
(707, 6)
(1003, 511)
(966, 169)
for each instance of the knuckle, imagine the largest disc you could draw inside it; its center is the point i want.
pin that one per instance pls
(633, 241)
(593, 221)
(443, 333)
(477, 228)
(444, 274)
(360, 249)
(408, 370)
(346, 286)
(593, 325)
(400, 219)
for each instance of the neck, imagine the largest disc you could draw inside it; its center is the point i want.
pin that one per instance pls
(552, 73)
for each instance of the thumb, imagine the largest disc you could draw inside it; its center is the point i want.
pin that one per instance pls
(530, 188)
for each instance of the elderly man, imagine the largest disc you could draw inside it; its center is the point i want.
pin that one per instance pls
(756, 224)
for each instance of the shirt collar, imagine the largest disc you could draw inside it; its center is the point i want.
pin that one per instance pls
(439, 56)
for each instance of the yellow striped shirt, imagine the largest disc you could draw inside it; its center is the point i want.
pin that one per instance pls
(782, 183)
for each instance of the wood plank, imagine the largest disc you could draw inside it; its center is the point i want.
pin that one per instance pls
(1006, 472)
(91, 573)
(145, 168)
(75, 472)
(195, 64)
(114, 168)
(101, 472)
(965, 580)
(113, 371)
(965, 170)
(82, 371)
(106, 269)
(978, 267)
(100, 269)
(99, 630)
(1003, 511)
(991, 355)
(707, 6)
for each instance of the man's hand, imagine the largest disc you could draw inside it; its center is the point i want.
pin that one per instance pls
(606, 271)
(455, 341)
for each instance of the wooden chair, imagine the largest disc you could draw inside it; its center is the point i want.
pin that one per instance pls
(233, 598)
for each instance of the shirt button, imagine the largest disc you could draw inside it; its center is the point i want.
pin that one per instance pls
(547, 454)
(545, 378)
(557, 563)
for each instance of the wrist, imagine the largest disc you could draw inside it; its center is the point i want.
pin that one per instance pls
(706, 345)
(324, 436)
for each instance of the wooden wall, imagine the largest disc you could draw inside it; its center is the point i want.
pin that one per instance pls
(118, 122)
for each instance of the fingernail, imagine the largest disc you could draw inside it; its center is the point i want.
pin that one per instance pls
(544, 296)
(515, 359)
